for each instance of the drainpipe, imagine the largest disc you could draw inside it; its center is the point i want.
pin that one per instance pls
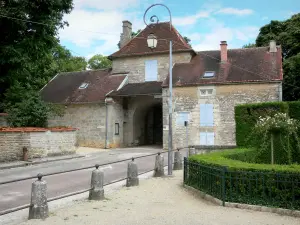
(106, 124)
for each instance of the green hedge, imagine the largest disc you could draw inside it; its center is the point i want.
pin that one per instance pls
(294, 109)
(220, 175)
(246, 116)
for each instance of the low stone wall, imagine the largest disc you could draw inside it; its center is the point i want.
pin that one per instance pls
(204, 149)
(40, 142)
(3, 122)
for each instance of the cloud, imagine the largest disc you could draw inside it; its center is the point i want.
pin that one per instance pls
(97, 30)
(104, 5)
(234, 37)
(190, 20)
(235, 11)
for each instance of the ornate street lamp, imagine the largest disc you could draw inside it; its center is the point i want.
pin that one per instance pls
(152, 43)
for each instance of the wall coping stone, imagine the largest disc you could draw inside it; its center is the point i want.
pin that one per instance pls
(36, 129)
(212, 147)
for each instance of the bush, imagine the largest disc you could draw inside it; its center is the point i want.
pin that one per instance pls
(294, 109)
(246, 116)
(220, 175)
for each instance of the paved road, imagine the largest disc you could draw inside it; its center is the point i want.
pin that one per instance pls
(18, 193)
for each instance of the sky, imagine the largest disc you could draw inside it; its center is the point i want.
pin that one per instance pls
(95, 25)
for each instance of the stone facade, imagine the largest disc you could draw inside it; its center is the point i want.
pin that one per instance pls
(135, 66)
(3, 122)
(223, 98)
(89, 119)
(39, 143)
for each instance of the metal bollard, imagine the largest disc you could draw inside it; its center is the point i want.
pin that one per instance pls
(132, 174)
(159, 166)
(39, 206)
(177, 161)
(192, 151)
(97, 191)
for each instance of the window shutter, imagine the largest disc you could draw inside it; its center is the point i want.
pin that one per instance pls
(151, 70)
(202, 138)
(206, 115)
(207, 138)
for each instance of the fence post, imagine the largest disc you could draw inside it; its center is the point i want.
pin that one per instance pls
(177, 160)
(224, 169)
(39, 206)
(184, 169)
(97, 191)
(132, 174)
(159, 166)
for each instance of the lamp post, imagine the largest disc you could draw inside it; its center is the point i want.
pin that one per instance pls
(152, 43)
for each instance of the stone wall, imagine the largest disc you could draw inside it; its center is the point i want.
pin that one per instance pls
(89, 119)
(136, 65)
(3, 122)
(224, 98)
(40, 142)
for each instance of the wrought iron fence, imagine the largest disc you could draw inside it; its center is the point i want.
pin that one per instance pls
(257, 188)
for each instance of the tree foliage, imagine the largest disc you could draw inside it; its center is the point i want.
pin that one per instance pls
(250, 45)
(287, 34)
(187, 40)
(99, 62)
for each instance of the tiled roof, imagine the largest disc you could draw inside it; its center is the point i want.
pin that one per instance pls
(138, 45)
(243, 65)
(64, 88)
(133, 89)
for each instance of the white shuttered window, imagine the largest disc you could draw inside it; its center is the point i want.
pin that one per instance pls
(206, 115)
(151, 70)
(207, 138)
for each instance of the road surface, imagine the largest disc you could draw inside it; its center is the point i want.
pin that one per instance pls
(18, 193)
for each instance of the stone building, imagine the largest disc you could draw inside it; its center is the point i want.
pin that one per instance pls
(127, 105)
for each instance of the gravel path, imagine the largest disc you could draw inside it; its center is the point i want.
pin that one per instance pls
(157, 201)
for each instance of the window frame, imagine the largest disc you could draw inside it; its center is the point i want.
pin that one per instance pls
(205, 72)
(84, 85)
(207, 134)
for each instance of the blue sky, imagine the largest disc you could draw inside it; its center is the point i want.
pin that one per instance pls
(95, 25)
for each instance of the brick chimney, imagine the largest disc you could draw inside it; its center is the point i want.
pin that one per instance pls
(273, 47)
(223, 51)
(126, 35)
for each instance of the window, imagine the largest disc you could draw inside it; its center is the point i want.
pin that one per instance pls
(206, 92)
(117, 129)
(207, 138)
(151, 70)
(206, 115)
(83, 85)
(209, 74)
(181, 117)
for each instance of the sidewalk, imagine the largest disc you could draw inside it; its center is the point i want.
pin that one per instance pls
(157, 201)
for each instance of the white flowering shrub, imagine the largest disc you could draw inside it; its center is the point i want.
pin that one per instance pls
(279, 131)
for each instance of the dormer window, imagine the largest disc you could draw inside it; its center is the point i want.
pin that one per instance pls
(83, 86)
(209, 74)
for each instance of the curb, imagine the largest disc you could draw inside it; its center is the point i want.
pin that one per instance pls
(280, 211)
(29, 163)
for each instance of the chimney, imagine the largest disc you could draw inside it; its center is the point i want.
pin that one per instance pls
(223, 51)
(126, 35)
(273, 47)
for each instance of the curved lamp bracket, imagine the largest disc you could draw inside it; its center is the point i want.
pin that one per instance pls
(154, 18)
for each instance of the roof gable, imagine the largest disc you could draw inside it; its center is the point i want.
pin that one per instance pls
(64, 88)
(243, 65)
(138, 45)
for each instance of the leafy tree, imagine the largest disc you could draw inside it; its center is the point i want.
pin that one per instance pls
(99, 62)
(287, 34)
(187, 40)
(133, 34)
(63, 61)
(26, 47)
(250, 45)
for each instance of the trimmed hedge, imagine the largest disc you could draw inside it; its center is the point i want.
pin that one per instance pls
(294, 109)
(220, 175)
(246, 116)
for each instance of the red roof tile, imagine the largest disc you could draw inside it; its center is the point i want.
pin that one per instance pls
(138, 45)
(64, 88)
(244, 65)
